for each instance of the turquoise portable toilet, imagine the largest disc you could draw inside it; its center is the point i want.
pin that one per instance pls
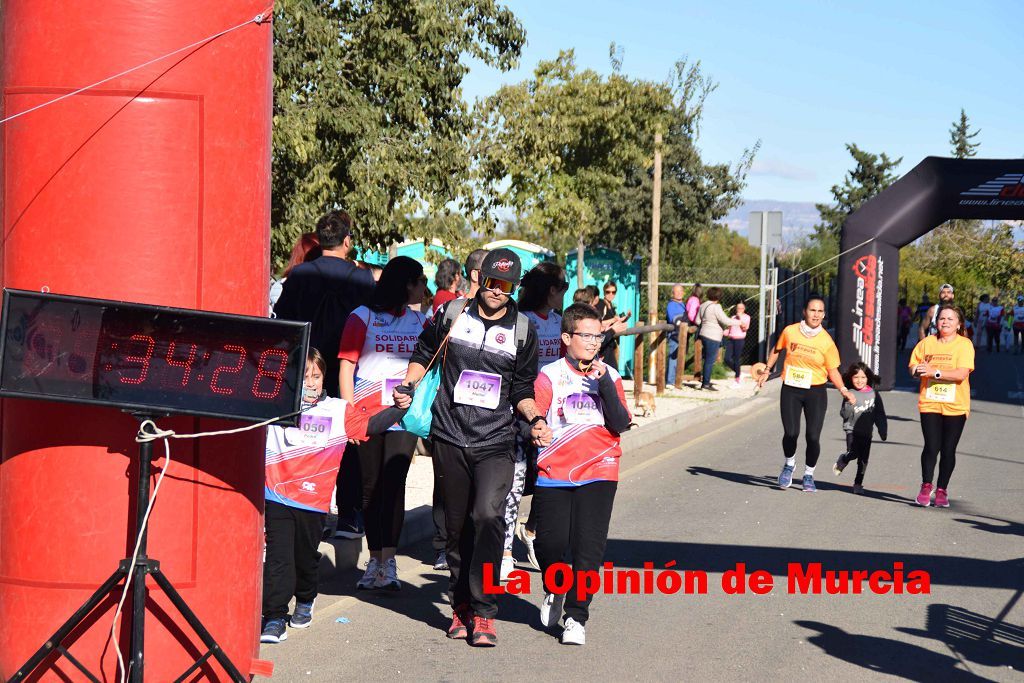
(599, 266)
(372, 257)
(529, 254)
(417, 249)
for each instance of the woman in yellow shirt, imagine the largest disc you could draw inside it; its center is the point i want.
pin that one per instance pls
(811, 359)
(943, 362)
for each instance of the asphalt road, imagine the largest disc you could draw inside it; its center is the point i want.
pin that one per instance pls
(706, 499)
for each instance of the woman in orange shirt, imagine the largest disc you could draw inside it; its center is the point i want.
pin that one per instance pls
(811, 360)
(943, 362)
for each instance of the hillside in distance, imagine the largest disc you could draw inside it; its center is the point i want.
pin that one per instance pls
(798, 218)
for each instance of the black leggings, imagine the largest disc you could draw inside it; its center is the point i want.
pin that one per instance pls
(941, 435)
(574, 519)
(384, 460)
(733, 353)
(812, 403)
(858, 447)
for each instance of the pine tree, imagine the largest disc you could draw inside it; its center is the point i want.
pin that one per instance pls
(961, 138)
(872, 174)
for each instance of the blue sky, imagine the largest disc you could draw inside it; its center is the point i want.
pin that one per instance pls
(806, 77)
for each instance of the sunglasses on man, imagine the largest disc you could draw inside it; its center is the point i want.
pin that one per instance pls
(499, 286)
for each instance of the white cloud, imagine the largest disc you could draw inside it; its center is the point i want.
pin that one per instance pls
(781, 169)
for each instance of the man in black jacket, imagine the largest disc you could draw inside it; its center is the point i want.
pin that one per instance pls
(488, 368)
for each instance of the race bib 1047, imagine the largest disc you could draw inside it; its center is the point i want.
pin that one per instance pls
(480, 389)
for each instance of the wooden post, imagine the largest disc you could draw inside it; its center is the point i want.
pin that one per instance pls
(698, 356)
(660, 358)
(653, 273)
(638, 369)
(684, 332)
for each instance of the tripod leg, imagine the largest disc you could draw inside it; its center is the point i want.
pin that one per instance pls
(193, 621)
(70, 625)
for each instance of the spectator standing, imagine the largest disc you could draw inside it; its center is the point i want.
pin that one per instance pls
(735, 338)
(447, 280)
(981, 319)
(692, 308)
(904, 317)
(1018, 325)
(713, 322)
(306, 248)
(675, 314)
(324, 292)
(928, 320)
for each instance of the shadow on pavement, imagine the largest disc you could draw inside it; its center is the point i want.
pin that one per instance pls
(771, 482)
(1006, 526)
(886, 656)
(974, 637)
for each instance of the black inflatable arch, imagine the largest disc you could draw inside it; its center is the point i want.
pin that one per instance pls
(934, 191)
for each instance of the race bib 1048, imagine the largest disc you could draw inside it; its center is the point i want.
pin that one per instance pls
(582, 408)
(480, 389)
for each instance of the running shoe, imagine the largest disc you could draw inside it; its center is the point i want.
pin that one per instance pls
(508, 563)
(941, 498)
(574, 633)
(551, 609)
(809, 486)
(274, 631)
(370, 576)
(350, 526)
(461, 616)
(388, 576)
(441, 562)
(924, 498)
(528, 539)
(786, 477)
(841, 462)
(484, 634)
(858, 489)
(302, 617)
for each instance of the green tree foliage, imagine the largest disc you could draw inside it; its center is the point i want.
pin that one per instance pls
(961, 139)
(369, 115)
(871, 174)
(571, 153)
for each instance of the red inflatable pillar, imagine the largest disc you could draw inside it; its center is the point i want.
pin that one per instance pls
(153, 187)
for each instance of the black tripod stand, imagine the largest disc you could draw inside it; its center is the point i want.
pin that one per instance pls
(143, 566)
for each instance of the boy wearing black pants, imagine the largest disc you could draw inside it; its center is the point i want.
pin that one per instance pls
(577, 474)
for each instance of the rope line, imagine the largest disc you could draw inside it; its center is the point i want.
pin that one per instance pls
(258, 19)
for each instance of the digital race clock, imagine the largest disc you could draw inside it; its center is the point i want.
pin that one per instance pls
(150, 358)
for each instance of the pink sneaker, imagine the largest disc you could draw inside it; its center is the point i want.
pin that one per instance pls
(924, 498)
(941, 498)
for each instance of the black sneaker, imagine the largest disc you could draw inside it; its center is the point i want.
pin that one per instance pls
(350, 526)
(302, 617)
(441, 563)
(274, 631)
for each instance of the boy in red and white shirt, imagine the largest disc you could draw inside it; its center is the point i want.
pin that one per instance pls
(577, 474)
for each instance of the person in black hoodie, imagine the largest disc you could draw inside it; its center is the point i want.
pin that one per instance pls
(488, 358)
(859, 421)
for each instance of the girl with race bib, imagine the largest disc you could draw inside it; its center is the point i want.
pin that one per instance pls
(376, 345)
(301, 467)
(811, 359)
(943, 362)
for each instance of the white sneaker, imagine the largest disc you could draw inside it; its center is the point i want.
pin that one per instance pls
(574, 633)
(551, 609)
(527, 539)
(370, 576)
(508, 563)
(388, 576)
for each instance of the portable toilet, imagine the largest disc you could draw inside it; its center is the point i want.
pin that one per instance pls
(601, 265)
(529, 254)
(417, 249)
(372, 257)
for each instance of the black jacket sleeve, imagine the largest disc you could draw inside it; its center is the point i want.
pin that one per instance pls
(616, 415)
(287, 306)
(881, 421)
(525, 372)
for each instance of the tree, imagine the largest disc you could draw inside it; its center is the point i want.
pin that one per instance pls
(369, 115)
(872, 174)
(961, 140)
(570, 152)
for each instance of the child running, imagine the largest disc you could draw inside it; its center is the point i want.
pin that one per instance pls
(578, 472)
(859, 420)
(301, 467)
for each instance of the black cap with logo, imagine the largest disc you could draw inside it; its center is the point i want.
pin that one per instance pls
(501, 264)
